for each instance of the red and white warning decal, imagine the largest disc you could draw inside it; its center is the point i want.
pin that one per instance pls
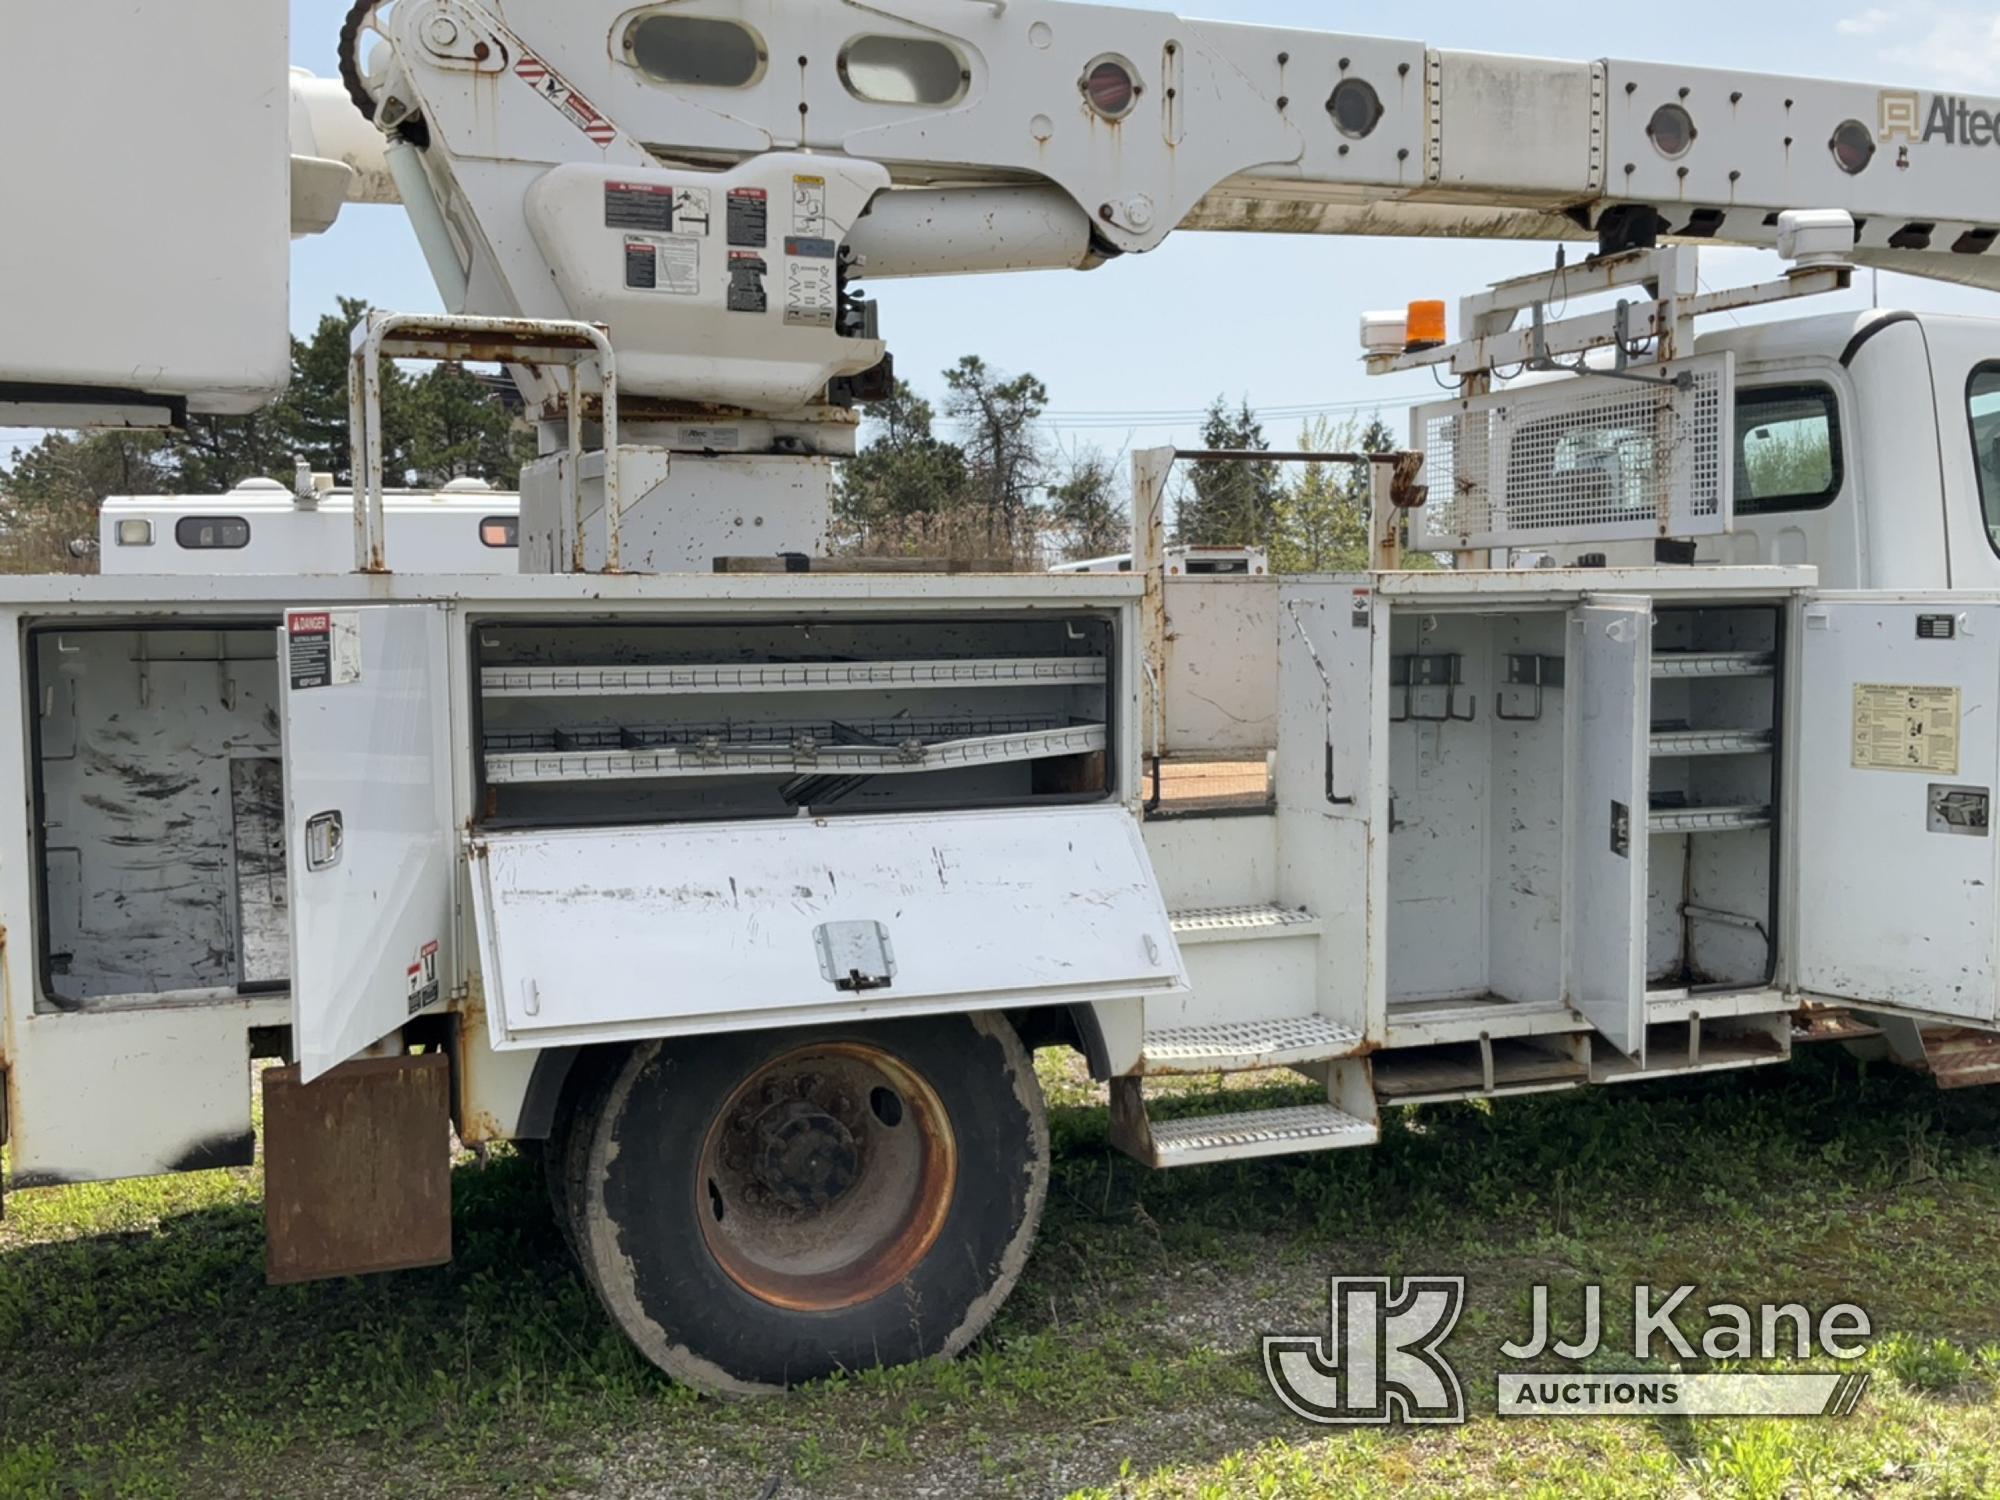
(538, 75)
(425, 986)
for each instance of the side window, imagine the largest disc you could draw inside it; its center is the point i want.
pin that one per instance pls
(206, 533)
(1982, 409)
(1788, 451)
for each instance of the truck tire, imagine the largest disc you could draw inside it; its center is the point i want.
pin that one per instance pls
(762, 1208)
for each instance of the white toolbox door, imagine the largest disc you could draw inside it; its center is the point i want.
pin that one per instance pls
(1895, 879)
(369, 851)
(593, 934)
(1610, 684)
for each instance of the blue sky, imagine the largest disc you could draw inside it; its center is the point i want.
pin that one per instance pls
(1272, 318)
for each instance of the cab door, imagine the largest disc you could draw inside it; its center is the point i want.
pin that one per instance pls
(1897, 757)
(370, 856)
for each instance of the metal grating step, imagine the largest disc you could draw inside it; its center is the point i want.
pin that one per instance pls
(1267, 1132)
(1676, 742)
(1714, 664)
(1237, 924)
(1708, 819)
(1244, 1046)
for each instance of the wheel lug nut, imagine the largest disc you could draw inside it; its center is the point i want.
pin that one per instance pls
(807, 1086)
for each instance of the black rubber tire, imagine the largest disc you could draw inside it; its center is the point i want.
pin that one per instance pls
(633, 1205)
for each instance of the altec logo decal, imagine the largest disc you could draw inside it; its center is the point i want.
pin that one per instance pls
(1949, 118)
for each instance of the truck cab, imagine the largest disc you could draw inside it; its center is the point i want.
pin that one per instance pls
(1867, 444)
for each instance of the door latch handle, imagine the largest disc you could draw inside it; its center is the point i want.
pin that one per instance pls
(325, 838)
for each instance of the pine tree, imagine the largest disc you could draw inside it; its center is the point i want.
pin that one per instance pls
(1232, 504)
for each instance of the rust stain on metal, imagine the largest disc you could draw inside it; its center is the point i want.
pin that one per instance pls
(357, 1170)
(1962, 1058)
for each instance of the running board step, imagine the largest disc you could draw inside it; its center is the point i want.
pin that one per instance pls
(1245, 1046)
(1242, 924)
(1202, 1139)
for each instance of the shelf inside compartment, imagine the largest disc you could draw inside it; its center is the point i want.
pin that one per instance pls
(636, 720)
(1668, 743)
(1683, 664)
(788, 677)
(865, 748)
(1708, 819)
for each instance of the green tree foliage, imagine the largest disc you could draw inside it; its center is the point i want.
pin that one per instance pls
(1005, 459)
(1321, 520)
(1230, 504)
(49, 498)
(1089, 509)
(440, 425)
(905, 471)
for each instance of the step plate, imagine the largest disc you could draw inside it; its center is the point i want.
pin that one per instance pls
(1240, 1046)
(1269, 1132)
(1240, 924)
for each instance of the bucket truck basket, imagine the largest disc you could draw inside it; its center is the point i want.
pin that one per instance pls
(1582, 458)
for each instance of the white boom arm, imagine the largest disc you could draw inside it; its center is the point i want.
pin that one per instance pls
(911, 137)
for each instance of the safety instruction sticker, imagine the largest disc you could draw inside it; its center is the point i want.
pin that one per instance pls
(663, 263)
(749, 218)
(323, 647)
(809, 206)
(639, 205)
(424, 985)
(810, 293)
(656, 208)
(1906, 727)
(691, 215)
(747, 270)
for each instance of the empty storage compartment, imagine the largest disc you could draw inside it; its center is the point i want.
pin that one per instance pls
(1712, 846)
(159, 799)
(655, 722)
(1476, 773)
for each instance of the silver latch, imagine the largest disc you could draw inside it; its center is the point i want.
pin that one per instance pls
(855, 956)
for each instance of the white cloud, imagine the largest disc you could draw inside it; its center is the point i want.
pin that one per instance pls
(1942, 43)
(1868, 23)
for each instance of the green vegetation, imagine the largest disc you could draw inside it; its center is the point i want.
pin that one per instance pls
(439, 424)
(143, 1355)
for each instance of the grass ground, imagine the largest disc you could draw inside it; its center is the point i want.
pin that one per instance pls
(141, 1353)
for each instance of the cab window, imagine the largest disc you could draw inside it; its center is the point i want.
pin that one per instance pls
(1982, 407)
(1788, 452)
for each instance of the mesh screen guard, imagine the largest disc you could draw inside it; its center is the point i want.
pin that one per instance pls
(1581, 458)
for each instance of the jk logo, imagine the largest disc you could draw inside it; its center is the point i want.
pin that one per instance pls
(1379, 1363)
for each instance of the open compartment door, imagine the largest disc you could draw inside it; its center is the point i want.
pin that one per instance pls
(369, 849)
(591, 935)
(1898, 757)
(1610, 674)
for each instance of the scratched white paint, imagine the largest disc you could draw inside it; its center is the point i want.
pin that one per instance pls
(591, 934)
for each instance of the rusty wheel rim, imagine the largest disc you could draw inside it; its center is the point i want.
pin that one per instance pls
(826, 1176)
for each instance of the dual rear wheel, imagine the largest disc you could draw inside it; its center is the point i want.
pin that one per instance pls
(763, 1208)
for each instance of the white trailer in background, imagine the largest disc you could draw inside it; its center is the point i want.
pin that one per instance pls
(747, 893)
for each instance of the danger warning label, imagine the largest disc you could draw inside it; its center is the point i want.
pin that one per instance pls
(544, 80)
(322, 647)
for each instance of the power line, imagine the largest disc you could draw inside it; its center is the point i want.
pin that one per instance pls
(1101, 420)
